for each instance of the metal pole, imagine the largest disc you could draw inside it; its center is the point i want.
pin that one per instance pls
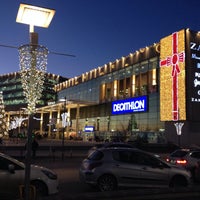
(179, 140)
(33, 41)
(63, 144)
(28, 157)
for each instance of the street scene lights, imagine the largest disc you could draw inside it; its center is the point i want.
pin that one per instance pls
(33, 62)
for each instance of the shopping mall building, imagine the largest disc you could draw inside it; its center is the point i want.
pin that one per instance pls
(153, 92)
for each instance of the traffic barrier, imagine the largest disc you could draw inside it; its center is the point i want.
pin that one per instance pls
(32, 192)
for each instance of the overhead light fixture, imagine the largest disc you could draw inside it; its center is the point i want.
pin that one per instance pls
(34, 16)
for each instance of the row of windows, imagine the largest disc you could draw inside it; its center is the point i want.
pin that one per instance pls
(112, 67)
(135, 80)
(100, 117)
(11, 87)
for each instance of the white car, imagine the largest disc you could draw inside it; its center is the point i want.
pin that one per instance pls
(12, 175)
(108, 145)
(110, 168)
(187, 158)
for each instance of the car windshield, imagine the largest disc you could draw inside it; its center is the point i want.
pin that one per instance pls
(179, 153)
(12, 159)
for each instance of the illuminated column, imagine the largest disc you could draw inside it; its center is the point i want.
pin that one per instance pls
(50, 118)
(58, 122)
(154, 77)
(41, 121)
(133, 85)
(77, 119)
(115, 89)
(68, 120)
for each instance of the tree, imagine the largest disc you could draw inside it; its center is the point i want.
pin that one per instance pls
(132, 125)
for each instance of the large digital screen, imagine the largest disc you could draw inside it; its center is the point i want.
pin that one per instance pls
(137, 104)
(172, 77)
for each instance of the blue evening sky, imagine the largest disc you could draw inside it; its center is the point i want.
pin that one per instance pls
(96, 31)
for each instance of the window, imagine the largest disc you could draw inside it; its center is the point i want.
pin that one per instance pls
(4, 163)
(195, 155)
(122, 156)
(97, 155)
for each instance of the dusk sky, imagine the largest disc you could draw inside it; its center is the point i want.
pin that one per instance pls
(96, 31)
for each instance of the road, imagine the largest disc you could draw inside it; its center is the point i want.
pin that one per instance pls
(71, 189)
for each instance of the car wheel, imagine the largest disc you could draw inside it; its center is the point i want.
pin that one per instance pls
(178, 181)
(107, 182)
(41, 188)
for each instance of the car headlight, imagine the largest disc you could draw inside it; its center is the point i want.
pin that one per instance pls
(50, 174)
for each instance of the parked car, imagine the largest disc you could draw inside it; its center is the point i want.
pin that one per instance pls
(109, 144)
(110, 168)
(12, 174)
(187, 158)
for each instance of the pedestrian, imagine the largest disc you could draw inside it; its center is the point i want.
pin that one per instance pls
(34, 147)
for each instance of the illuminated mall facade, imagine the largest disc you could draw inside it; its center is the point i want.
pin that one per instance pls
(154, 90)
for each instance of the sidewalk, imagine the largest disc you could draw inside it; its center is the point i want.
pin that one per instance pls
(47, 148)
(134, 193)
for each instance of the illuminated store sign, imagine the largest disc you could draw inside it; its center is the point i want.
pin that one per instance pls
(138, 104)
(195, 56)
(172, 77)
(193, 75)
(89, 128)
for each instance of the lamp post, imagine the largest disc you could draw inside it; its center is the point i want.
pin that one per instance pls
(33, 61)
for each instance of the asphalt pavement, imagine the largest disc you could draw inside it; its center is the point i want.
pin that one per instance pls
(51, 153)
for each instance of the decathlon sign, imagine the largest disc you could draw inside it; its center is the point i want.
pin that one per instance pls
(138, 104)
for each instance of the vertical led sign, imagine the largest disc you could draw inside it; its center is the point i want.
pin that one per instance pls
(193, 75)
(172, 77)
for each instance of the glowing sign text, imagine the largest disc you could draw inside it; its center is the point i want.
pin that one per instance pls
(138, 104)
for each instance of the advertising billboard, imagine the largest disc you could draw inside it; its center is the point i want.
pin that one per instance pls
(172, 77)
(193, 75)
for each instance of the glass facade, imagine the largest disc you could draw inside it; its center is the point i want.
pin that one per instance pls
(13, 96)
(144, 73)
(125, 78)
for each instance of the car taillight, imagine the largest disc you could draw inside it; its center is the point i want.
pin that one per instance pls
(91, 166)
(167, 159)
(181, 162)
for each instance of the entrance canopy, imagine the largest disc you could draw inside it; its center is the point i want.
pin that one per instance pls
(55, 107)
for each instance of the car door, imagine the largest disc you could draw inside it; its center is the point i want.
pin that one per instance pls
(128, 173)
(154, 172)
(10, 179)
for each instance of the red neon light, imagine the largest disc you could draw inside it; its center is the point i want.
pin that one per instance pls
(174, 61)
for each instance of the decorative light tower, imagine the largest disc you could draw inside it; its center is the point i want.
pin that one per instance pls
(3, 122)
(33, 62)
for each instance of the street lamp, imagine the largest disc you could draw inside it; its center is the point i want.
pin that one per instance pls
(34, 16)
(33, 61)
